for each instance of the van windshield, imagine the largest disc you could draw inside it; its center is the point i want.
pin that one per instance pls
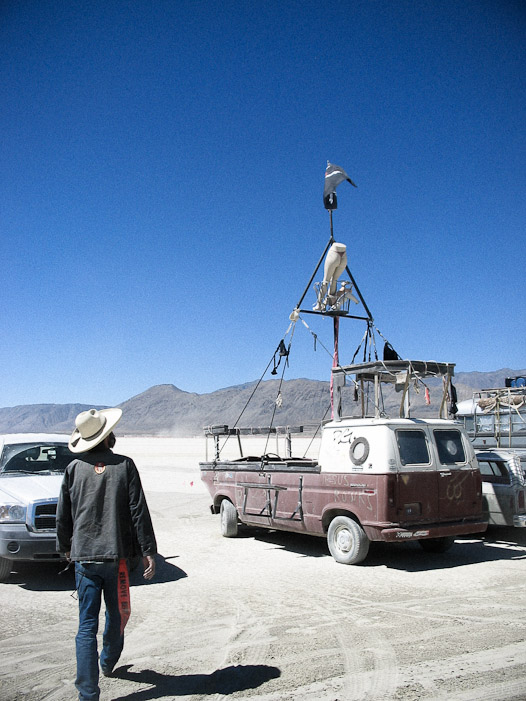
(450, 448)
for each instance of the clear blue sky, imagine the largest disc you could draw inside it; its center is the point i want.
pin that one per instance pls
(162, 169)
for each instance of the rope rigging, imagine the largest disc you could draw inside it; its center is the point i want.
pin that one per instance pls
(333, 298)
(280, 352)
(335, 292)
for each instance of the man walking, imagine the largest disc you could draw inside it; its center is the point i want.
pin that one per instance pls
(102, 520)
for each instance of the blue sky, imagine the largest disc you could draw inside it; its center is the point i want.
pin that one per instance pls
(162, 171)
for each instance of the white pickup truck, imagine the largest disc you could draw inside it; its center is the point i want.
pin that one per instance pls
(32, 466)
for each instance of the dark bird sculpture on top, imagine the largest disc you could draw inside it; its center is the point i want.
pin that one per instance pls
(334, 175)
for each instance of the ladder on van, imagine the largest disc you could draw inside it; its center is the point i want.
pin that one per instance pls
(271, 504)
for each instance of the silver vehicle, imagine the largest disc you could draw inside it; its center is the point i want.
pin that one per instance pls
(31, 470)
(503, 487)
(496, 418)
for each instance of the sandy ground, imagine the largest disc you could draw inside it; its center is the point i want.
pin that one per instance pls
(272, 616)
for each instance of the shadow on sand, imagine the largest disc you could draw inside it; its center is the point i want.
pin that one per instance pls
(498, 543)
(222, 681)
(164, 572)
(55, 577)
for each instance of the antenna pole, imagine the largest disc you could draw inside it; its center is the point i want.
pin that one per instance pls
(336, 333)
(335, 359)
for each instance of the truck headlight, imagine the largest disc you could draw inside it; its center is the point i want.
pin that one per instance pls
(12, 513)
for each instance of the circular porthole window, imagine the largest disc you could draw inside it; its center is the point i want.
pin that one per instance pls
(359, 451)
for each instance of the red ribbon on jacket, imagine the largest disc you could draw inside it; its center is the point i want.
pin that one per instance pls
(123, 584)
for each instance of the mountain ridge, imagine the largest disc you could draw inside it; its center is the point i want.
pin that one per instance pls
(166, 410)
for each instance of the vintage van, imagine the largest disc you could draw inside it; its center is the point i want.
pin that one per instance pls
(375, 479)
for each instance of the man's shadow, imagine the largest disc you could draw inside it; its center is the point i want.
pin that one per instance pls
(222, 681)
(164, 571)
(57, 577)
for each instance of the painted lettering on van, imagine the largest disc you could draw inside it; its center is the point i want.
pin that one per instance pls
(337, 480)
(342, 480)
(363, 500)
(454, 488)
(342, 435)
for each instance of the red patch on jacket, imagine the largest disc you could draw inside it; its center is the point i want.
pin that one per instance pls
(99, 468)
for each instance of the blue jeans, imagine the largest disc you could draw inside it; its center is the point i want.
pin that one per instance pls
(93, 580)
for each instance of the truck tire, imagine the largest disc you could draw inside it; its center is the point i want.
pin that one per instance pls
(437, 545)
(347, 541)
(5, 568)
(228, 515)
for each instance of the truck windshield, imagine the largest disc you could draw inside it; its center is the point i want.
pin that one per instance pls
(31, 457)
(450, 448)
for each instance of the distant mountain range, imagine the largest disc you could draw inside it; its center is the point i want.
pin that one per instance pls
(165, 410)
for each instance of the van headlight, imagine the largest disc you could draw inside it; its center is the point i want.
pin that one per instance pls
(12, 513)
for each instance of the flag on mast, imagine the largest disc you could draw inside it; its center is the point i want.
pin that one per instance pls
(334, 175)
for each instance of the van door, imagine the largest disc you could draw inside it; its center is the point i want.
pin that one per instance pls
(416, 496)
(457, 487)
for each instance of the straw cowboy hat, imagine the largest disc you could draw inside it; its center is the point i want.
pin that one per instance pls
(92, 427)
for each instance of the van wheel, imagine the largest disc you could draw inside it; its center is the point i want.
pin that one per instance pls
(347, 541)
(437, 545)
(5, 568)
(228, 519)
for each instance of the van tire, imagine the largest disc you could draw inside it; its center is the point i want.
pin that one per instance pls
(347, 541)
(437, 545)
(228, 515)
(5, 568)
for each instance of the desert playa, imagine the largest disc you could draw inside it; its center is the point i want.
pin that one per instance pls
(272, 616)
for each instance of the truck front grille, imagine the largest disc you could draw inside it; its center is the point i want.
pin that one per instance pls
(42, 516)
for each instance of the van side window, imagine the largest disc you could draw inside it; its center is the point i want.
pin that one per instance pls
(450, 448)
(412, 446)
(493, 471)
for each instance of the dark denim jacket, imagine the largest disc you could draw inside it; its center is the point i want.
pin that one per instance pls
(102, 512)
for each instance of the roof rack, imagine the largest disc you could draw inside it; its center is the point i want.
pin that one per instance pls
(219, 430)
(399, 373)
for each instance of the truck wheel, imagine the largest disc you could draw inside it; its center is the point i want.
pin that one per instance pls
(347, 541)
(5, 568)
(228, 519)
(437, 545)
